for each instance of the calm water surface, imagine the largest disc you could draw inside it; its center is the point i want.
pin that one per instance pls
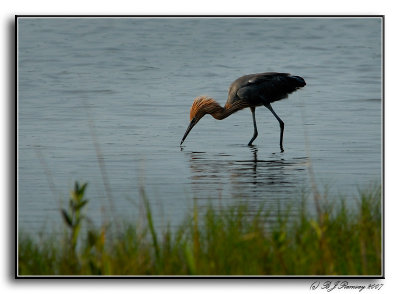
(118, 91)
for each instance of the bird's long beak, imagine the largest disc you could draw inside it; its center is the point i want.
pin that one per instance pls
(191, 125)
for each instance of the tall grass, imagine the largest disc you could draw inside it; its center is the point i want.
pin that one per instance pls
(232, 241)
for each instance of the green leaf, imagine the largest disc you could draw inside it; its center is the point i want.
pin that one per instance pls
(67, 217)
(80, 205)
(92, 238)
(82, 189)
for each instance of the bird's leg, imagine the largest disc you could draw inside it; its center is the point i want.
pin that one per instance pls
(253, 113)
(281, 124)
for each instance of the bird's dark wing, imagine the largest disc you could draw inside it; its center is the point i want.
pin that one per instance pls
(271, 86)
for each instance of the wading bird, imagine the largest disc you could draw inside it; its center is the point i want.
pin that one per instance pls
(248, 91)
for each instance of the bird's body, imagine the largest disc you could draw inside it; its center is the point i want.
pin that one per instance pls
(248, 91)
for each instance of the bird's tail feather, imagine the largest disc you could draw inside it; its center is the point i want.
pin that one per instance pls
(298, 81)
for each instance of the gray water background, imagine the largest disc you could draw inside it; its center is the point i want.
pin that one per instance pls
(125, 87)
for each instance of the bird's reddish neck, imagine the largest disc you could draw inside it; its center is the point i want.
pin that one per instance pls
(219, 112)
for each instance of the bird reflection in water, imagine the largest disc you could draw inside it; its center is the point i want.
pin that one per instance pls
(248, 176)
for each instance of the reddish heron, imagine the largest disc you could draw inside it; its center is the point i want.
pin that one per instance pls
(248, 91)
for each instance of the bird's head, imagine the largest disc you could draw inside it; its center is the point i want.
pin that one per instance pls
(201, 106)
